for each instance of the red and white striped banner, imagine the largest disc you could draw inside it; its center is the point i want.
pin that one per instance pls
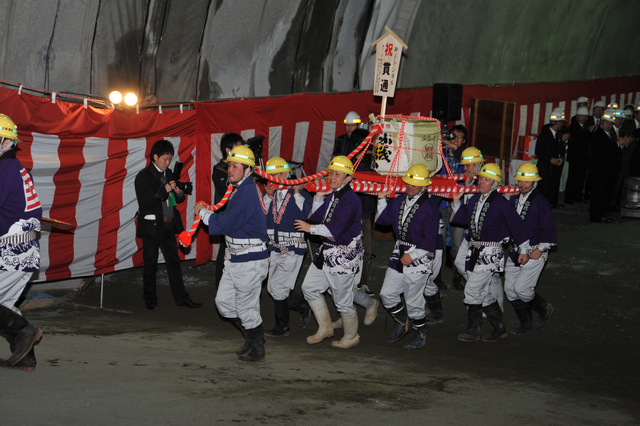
(84, 160)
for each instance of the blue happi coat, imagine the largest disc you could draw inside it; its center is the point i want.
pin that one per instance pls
(243, 223)
(280, 222)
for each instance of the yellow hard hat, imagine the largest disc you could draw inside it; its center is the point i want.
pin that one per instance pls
(417, 175)
(491, 171)
(341, 163)
(241, 154)
(471, 155)
(277, 165)
(527, 172)
(8, 128)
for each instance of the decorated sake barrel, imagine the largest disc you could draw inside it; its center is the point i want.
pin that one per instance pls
(406, 140)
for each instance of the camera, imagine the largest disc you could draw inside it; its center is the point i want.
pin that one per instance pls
(255, 145)
(187, 187)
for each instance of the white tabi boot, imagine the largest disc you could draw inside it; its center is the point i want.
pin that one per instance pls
(321, 312)
(371, 312)
(351, 337)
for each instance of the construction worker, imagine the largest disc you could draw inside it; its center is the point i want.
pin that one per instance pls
(415, 221)
(287, 247)
(521, 280)
(20, 214)
(244, 225)
(490, 220)
(338, 262)
(472, 161)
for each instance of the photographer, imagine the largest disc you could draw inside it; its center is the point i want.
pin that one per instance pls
(452, 146)
(158, 222)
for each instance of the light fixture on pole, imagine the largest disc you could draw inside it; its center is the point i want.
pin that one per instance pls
(130, 99)
(115, 97)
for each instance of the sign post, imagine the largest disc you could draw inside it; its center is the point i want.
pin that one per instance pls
(388, 53)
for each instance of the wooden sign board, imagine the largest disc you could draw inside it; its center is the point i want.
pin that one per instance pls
(388, 53)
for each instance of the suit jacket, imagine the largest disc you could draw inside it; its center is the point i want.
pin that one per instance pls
(151, 193)
(578, 151)
(606, 153)
(548, 147)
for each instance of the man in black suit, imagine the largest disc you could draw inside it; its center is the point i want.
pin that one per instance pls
(606, 161)
(577, 156)
(158, 222)
(550, 152)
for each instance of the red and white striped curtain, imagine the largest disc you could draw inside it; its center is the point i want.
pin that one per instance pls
(84, 160)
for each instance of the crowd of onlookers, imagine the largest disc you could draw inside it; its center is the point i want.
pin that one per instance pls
(600, 149)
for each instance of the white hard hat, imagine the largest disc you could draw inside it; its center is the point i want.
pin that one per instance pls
(609, 115)
(352, 118)
(557, 115)
(583, 99)
(599, 104)
(638, 106)
(619, 113)
(582, 111)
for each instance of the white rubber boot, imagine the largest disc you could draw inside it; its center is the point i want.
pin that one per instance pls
(351, 337)
(321, 312)
(371, 312)
(337, 323)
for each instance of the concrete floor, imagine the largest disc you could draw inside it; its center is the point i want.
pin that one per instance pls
(177, 365)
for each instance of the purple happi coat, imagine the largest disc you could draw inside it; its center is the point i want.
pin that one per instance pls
(539, 220)
(344, 253)
(421, 233)
(500, 222)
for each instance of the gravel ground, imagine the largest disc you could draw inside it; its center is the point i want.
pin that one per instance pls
(177, 366)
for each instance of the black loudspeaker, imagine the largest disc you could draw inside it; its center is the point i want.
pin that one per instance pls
(447, 101)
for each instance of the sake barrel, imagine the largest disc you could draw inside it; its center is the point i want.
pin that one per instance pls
(420, 145)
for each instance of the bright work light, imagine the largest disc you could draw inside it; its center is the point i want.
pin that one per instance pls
(115, 97)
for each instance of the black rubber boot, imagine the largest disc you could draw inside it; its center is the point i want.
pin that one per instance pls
(438, 281)
(400, 316)
(543, 308)
(28, 363)
(24, 334)
(495, 318)
(435, 310)
(298, 304)
(473, 328)
(246, 346)
(523, 311)
(256, 339)
(419, 339)
(282, 319)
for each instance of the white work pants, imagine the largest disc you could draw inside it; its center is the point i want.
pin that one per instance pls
(431, 288)
(283, 273)
(520, 281)
(495, 286)
(412, 285)
(341, 288)
(239, 291)
(12, 283)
